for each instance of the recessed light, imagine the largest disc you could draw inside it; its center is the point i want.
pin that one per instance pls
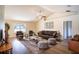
(68, 5)
(68, 11)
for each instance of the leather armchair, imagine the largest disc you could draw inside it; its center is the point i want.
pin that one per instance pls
(73, 44)
(19, 35)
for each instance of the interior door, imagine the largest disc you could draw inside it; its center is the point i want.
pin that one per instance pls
(67, 27)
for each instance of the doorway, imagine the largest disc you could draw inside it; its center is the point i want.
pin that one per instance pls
(67, 28)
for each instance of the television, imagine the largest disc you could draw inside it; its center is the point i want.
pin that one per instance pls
(1, 35)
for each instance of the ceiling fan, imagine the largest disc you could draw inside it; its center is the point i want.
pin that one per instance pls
(43, 16)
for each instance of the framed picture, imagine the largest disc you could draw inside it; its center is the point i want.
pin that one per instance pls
(49, 25)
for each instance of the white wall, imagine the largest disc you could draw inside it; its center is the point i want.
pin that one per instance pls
(40, 25)
(1, 16)
(75, 24)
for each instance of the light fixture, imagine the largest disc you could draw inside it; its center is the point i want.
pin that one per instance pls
(44, 18)
(68, 11)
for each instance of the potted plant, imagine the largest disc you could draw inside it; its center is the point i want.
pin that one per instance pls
(7, 27)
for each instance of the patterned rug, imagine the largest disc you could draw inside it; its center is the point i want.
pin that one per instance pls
(60, 48)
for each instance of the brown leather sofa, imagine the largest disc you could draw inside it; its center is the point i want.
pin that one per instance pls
(73, 44)
(48, 34)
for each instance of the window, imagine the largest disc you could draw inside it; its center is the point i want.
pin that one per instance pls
(49, 25)
(19, 27)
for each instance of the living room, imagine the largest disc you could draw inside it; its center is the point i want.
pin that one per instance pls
(62, 21)
(57, 18)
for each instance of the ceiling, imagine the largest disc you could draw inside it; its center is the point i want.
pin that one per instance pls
(33, 12)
